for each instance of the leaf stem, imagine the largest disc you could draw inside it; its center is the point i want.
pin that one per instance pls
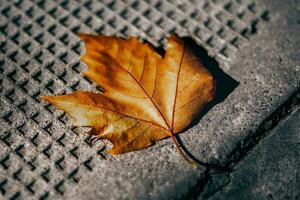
(193, 163)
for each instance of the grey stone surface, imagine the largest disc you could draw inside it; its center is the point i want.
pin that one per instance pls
(43, 156)
(270, 171)
(268, 70)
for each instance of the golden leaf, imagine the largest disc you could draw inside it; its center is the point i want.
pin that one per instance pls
(146, 97)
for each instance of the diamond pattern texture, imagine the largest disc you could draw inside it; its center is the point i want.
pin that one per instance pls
(41, 154)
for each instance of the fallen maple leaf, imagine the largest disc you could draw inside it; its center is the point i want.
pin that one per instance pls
(146, 97)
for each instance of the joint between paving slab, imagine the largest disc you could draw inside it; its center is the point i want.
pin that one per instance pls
(219, 189)
(198, 188)
(282, 112)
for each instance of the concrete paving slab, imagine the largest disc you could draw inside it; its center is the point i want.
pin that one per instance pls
(268, 73)
(270, 171)
(43, 156)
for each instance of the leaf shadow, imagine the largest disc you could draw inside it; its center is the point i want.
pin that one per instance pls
(224, 86)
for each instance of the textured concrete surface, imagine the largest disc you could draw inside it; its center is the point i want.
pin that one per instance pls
(270, 171)
(268, 71)
(43, 156)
